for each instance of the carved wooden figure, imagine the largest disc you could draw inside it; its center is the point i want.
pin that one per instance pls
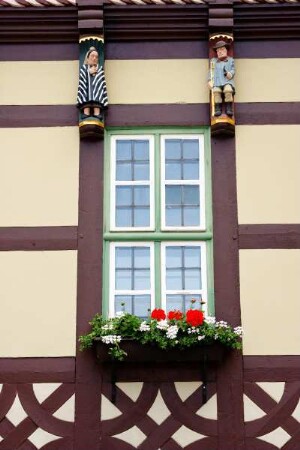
(221, 85)
(92, 93)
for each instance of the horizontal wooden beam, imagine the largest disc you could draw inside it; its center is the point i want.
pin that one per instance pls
(38, 238)
(269, 236)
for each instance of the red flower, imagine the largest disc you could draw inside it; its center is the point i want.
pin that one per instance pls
(175, 315)
(194, 317)
(158, 314)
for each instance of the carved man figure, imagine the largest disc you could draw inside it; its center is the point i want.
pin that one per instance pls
(92, 94)
(220, 78)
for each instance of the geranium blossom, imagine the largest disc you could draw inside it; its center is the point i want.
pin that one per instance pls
(194, 317)
(175, 315)
(158, 314)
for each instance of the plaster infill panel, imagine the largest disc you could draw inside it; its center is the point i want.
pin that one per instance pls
(270, 292)
(157, 81)
(267, 80)
(268, 182)
(39, 176)
(38, 82)
(38, 304)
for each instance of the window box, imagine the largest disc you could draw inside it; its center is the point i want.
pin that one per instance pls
(145, 353)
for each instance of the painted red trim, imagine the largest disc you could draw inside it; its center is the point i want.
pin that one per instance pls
(158, 114)
(39, 52)
(38, 238)
(37, 370)
(41, 116)
(226, 281)
(89, 291)
(287, 113)
(269, 236)
(272, 368)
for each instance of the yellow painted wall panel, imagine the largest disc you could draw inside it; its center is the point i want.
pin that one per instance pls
(268, 182)
(38, 303)
(157, 81)
(267, 80)
(39, 170)
(38, 82)
(270, 292)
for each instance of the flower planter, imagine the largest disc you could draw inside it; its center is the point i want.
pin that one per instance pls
(137, 352)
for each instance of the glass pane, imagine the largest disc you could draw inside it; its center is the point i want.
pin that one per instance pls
(192, 279)
(174, 302)
(141, 217)
(192, 257)
(142, 257)
(190, 171)
(124, 217)
(141, 150)
(141, 196)
(188, 299)
(124, 172)
(173, 217)
(173, 171)
(173, 148)
(123, 196)
(123, 150)
(127, 299)
(174, 257)
(174, 279)
(141, 279)
(191, 216)
(190, 148)
(173, 195)
(190, 195)
(141, 305)
(123, 257)
(141, 171)
(123, 279)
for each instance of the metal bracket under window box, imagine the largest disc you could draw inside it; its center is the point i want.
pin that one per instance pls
(206, 356)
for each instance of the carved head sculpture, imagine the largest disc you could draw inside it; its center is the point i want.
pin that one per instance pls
(221, 49)
(92, 57)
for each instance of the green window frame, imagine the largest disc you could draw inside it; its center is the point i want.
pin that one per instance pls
(156, 236)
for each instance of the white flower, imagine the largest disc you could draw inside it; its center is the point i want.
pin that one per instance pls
(222, 324)
(172, 332)
(108, 326)
(192, 330)
(144, 326)
(239, 331)
(210, 320)
(162, 324)
(120, 314)
(200, 338)
(111, 339)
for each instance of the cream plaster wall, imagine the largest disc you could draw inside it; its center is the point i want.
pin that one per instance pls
(38, 82)
(270, 293)
(157, 81)
(267, 80)
(268, 182)
(38, 304)
(39, 170)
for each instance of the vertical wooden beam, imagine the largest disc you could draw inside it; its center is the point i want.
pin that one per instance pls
(89, 293)
(227, 303)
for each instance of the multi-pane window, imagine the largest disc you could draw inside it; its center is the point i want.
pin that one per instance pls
(183, 274)
(132, 183)
(158, 230)
(183, 197)
(132, 278)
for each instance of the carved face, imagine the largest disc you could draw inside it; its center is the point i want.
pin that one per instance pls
(221, 52)
(93, 58)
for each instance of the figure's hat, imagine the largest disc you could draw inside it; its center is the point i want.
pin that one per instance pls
(221, 44)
